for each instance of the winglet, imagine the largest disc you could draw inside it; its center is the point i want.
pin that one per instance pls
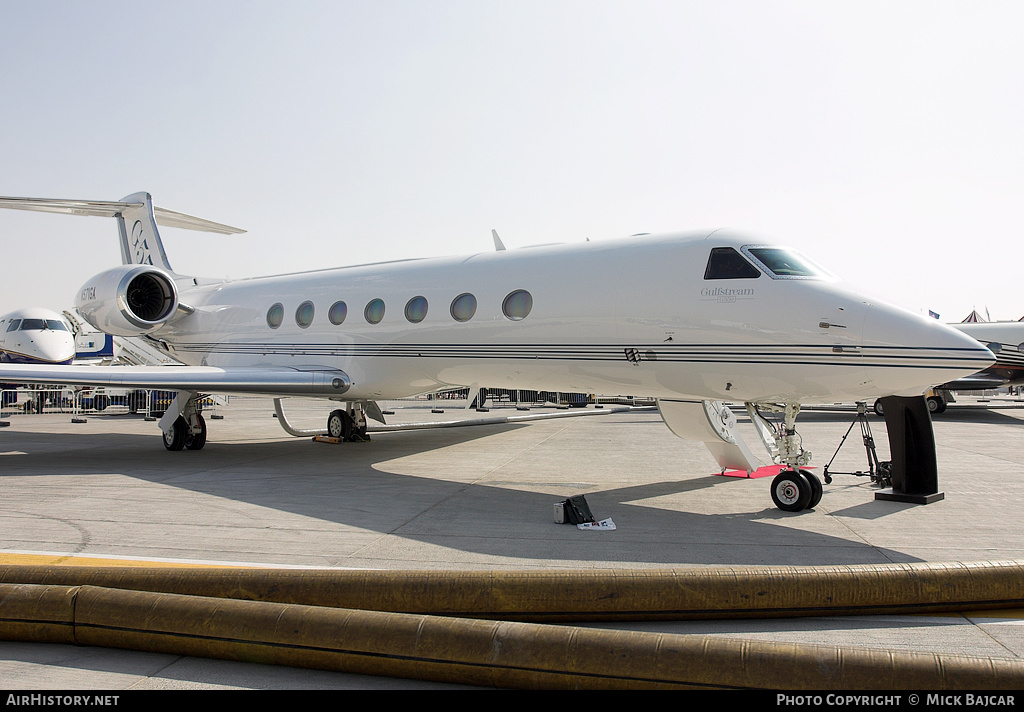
(498, 244)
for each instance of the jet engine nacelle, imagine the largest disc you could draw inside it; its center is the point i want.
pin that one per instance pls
(130, 300)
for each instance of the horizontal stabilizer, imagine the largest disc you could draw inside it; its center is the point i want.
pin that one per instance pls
(109, 209)
(170, 218)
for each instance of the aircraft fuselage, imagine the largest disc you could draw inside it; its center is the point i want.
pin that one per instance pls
(634, 316)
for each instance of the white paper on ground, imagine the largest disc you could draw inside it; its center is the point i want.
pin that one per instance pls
(604, 524)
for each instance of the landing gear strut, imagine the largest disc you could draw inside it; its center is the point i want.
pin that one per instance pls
(188, 430)
(794, 488)
(348, 425)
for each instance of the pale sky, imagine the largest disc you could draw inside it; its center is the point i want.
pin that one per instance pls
(884, 139)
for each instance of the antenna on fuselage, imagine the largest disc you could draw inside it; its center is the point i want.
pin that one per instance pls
(498, 244)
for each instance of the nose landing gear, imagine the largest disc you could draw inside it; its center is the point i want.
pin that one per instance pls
(796, 490)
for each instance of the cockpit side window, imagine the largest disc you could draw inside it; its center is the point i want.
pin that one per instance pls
(727, 263)
(782, 263)
(15, 323)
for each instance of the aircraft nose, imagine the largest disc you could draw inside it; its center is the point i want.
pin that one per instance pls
(907, 353)
(54, 346)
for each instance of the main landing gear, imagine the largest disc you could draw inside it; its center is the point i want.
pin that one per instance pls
(348, 425)
(181, 435)
(188, 430)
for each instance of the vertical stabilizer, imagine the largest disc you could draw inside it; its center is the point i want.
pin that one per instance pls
(140, 239)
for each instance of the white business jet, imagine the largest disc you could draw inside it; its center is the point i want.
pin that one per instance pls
(690, 319)
(35, 336)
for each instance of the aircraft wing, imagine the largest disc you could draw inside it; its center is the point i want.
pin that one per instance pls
(272, 381)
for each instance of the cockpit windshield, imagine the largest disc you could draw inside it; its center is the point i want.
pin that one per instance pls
(783, 263)
(727, 263)
(40, 324)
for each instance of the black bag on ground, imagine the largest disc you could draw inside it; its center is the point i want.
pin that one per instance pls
(577, 511)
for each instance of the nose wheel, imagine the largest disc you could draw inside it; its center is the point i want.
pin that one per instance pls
(796, 490)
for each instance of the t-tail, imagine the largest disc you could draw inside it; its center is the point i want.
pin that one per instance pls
(137, 221)
(140, 238)
(141, 295)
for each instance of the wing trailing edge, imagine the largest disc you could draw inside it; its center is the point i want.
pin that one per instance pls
(308, 381)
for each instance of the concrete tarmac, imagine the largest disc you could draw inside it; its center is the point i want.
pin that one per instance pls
(483, 498)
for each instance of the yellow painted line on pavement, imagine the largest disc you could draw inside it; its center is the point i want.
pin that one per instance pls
(58, 559)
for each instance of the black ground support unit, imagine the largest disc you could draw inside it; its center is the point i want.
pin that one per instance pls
(915, 476)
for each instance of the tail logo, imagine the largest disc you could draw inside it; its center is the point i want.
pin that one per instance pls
(140, 246)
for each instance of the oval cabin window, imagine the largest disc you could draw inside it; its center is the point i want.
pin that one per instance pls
(275, 315)
(304, 314)
(338, 312)
(374, 311)
(416, 309)
(517, 305)
(463, 307)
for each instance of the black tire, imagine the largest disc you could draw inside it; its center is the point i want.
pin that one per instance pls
(197, 441)
(936, 405)
(879, 410)
(174, 438)
(336, 424)
(791, 491)
(885, 474)
(816, 489)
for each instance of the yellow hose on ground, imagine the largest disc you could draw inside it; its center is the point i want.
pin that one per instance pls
(416, 624)
(474, 652)
(37, 614)
(592, 595)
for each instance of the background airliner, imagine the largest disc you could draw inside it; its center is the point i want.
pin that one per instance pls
(35, 336)
(690, 319)
(32, 336)
(1005, 339)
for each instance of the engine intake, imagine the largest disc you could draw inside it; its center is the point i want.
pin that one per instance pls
(130, 300)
